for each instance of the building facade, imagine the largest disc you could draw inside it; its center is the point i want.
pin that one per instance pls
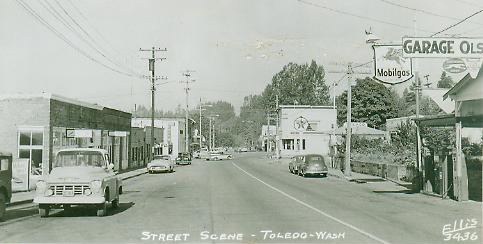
(305, 129)
(172, 140)
(35, 127)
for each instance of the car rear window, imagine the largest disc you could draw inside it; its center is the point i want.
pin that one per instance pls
(315, 159)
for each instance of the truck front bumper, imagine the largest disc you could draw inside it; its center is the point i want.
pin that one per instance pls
(75, 200)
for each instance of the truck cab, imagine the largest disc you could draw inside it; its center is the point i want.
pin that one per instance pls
(79, 176)
(5, 181)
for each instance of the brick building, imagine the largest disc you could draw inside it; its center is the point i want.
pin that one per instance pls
(34, 127)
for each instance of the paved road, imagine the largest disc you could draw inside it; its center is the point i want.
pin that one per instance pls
(249, 199)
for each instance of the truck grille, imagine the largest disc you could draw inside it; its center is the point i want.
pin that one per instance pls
(78, 189)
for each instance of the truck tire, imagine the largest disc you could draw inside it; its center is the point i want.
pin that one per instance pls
(3, 206)
(102, 210)
(44, 211)
(115, 203)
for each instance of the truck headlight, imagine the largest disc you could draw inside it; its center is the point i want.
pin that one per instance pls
(87, 192)
(41, 186)
(49, 192)
(96, 185)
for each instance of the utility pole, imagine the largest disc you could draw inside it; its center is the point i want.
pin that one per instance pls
(269, 150)
(153, 78)
(277, 142)
(347, 169)
(187, 73)
(210, 142)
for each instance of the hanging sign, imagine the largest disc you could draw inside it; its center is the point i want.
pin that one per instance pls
(454, 65)
(442, 47)
(390, 66)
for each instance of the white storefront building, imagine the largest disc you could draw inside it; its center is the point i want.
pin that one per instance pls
(305, 129)
(173, 141)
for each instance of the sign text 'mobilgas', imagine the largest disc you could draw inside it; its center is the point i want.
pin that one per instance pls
(421, 47)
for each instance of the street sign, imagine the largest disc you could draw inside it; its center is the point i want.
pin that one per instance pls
(442, 47)
(301, 124)
(390, 66)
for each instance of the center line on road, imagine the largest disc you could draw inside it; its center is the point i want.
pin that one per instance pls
(314, 208)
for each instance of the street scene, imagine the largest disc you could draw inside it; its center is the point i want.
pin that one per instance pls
(258, 121)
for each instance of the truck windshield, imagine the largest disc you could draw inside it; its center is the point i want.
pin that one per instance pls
(79, 158)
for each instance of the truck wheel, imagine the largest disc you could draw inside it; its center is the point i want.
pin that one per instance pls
(102, 210)
(44, 211)
(2, 206)
(115, 203)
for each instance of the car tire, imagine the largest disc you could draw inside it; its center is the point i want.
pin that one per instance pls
(3, 206)
(44, 211)
(324, 175)
(102, 210)
(115, 203)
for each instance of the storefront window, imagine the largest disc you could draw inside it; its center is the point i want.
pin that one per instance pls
(30, 146)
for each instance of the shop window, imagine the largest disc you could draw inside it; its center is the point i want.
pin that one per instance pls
(181, 132)
(303, 144)
(3, 164)
(30, 146)
(288, 144)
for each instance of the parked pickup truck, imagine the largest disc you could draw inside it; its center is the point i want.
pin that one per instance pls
(79, 176)
(5, 181)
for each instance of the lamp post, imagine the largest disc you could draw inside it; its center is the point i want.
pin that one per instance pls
(212, 135)
(201, 109)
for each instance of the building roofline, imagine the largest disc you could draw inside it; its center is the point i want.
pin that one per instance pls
(305, 106)
(456, 88)
(51, 96)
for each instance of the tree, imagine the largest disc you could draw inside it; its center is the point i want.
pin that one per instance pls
(302, 84)
(372, 103)
(445, 81)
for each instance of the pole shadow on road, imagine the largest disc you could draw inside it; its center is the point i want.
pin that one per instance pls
(396, 191)
(81, 211)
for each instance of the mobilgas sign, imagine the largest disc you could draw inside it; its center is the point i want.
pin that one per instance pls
(390, 66)
(441, 47)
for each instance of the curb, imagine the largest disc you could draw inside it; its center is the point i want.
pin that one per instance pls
(20, 202)
(31, 200)
(135, 175)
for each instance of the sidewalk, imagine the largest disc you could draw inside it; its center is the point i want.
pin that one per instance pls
(28, 196)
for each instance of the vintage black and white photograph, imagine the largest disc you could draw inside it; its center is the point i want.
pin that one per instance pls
(241, 121)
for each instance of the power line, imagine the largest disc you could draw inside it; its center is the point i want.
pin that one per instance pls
(358, 16)
(422, 11)
(96, 46)
(61, 36)
(459, 22)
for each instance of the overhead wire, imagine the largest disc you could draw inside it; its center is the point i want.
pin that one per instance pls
(88, 23)
(61, 36)
(424, 11)
(317, 5)
(96, 46)
(459, 22)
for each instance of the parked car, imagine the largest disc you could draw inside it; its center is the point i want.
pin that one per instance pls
(183, 158)
(313, 164)
(243, 149)
(196, 154)
(295, 163)
(5, 182)
(217, 156)
(160, 163)
(80, 176)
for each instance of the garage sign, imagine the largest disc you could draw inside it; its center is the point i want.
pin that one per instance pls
(442, 47)
(390, 66)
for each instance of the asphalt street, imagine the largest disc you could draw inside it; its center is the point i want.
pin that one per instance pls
(245, 200)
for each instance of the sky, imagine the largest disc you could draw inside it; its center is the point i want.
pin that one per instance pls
(233, 47)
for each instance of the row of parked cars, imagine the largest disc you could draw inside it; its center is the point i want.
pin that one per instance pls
(308, 165)
(164, 163)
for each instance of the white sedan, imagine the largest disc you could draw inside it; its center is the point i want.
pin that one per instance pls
(219, 156)
(160, 163)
